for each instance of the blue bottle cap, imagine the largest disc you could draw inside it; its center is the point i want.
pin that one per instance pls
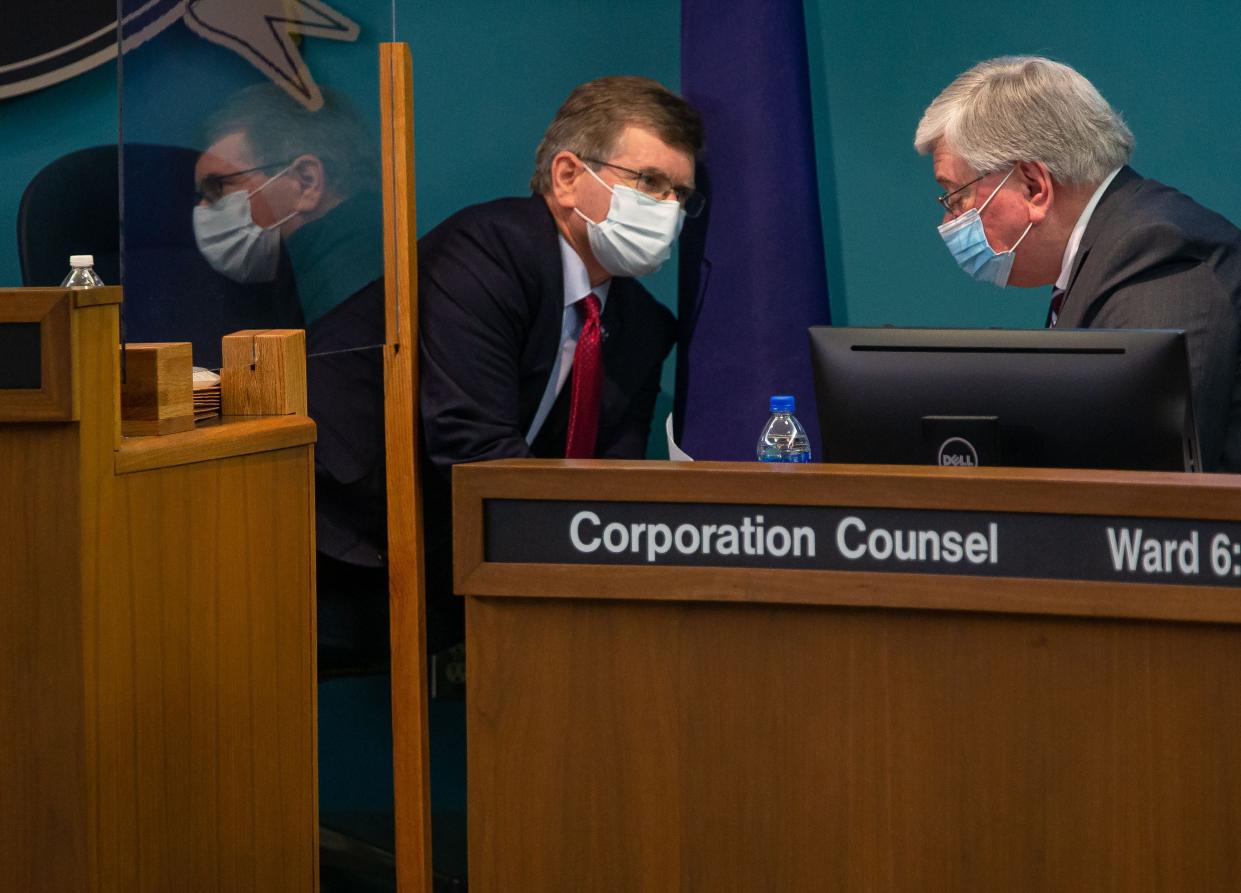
(782, 403)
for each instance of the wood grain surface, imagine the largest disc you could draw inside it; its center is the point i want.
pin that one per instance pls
(264, 372)
(218, 438)
(1069, 492)
(205, 757)
(406, 571)
(56, 397)
(43, 782)
(157, 704)
(628, 746)
(159, 383)
(97, 296)
(1154, 494)
(702, 729)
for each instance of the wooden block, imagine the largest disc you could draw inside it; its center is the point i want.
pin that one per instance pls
(151, 427)
(264, 372)
(157, 396)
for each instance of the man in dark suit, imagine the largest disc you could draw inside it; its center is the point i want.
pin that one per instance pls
(1038, 191)
(521, 298)
(280, 180)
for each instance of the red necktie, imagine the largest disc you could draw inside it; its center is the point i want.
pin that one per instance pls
(587, 384)
(1053, 312)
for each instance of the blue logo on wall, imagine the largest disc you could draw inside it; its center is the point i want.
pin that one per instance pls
(51, 41)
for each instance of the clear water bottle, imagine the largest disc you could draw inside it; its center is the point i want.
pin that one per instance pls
(783, 438)
(82, 272)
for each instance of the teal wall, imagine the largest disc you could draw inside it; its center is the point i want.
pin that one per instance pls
(1171, 69)
(487, 80)
(486, 84)
(488, 76)
(38, 128)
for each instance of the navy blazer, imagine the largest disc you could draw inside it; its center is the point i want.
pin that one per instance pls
(491, 306)
(1154, 258)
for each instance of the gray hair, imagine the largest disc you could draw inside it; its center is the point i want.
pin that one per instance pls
(1027, 108)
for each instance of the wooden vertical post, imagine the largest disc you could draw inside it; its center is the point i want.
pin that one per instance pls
(406, 575)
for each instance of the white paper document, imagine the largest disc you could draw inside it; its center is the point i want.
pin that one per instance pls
(675, 453)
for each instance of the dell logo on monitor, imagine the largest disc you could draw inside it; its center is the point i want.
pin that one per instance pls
(957, 451)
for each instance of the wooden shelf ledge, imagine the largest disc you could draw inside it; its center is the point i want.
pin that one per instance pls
(217, 439)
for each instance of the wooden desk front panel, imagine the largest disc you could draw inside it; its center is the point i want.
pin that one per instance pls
(663, 746)
(204, 737)
(43, 837)
(157, 647)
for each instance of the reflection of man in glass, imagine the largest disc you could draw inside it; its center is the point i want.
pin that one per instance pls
(276, 174)
(275, 171)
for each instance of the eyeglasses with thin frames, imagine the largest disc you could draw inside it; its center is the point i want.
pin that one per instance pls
(211, 186)
(659, 185)
(951, 201)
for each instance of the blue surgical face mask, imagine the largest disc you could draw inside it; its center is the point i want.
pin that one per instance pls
(967, 240)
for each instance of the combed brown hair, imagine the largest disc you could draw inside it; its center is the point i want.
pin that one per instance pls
(592, 119)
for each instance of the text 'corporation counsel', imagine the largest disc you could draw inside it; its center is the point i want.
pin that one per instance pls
(589, 533)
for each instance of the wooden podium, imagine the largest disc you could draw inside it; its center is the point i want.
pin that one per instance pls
(718, 677)
(157, 639)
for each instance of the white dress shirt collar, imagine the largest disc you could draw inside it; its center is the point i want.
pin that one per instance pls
(1079, 230)
(577, 279)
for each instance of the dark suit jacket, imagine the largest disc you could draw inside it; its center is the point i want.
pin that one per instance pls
(338, 266)
(344, 377)
(491, 304)
(1154, 258)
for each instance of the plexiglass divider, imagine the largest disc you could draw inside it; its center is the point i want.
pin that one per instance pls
(58, 114)
(249, 165)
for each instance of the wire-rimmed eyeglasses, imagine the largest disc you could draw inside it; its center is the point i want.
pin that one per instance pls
(657, 184)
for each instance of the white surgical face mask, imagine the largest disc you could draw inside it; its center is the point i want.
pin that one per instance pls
(637, 235)
(233, 243)
(967, 240)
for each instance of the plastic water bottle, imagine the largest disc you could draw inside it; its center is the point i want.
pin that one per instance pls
(82, 272)
(783, 438)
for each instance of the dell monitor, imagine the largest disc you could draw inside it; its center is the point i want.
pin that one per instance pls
(1082, 398)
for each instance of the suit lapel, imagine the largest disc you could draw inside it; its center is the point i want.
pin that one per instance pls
(1074, 308)
(613, 319)
(548, 315)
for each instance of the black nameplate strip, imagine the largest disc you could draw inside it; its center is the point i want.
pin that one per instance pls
(20, 356)
(921, 541)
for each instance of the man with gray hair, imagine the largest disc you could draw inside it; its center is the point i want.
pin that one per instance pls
(1038, 191)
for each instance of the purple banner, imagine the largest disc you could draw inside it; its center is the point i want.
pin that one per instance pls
(752, 274)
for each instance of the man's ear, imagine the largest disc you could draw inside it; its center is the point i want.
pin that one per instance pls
(1039, 188)
(565, 171)
(307, 172)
